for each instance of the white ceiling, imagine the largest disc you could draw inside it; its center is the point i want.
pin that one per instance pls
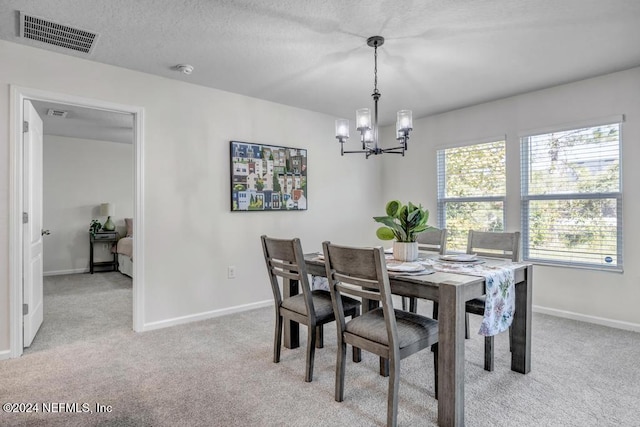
(439, 55)
(86, 123)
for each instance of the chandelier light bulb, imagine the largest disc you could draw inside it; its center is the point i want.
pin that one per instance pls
(342, 129)
(368, 136)
(363, 119)
(405, 120)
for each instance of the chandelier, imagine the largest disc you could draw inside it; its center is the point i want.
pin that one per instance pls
(368, 130)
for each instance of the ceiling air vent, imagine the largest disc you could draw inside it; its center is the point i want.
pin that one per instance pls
(42, 30)
(57, 113)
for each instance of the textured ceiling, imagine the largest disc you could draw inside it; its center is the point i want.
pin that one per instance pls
(439, 55)
(86, 123)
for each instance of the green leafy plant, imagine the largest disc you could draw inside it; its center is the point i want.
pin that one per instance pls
(94, 227)
(402, 222)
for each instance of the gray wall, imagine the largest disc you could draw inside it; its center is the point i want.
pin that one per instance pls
(78, 175)
(191, 237)
(602, 297)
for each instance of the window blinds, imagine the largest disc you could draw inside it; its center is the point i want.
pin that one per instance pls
(571, 198)
(471, 190)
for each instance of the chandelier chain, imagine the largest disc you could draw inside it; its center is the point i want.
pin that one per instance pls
(375, 68)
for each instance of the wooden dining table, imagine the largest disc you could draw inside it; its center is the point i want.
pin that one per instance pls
(451, 291)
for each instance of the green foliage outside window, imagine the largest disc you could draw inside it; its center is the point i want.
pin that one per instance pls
(464, 216)
(477, 170)
(573, 182)
(476, 173)
(571, 194)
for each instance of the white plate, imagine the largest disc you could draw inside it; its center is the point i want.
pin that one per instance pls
(459, 257)
(405, 267)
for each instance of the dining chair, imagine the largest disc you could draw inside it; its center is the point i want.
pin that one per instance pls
(432, 240)
(389, 333)
(285, 262)
(493, 245)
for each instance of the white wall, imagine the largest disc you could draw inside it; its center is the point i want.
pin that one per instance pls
(191, 237)
(190, 234)
(601, 297)
(78, 175)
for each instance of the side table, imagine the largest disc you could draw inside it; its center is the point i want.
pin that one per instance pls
(103, 237)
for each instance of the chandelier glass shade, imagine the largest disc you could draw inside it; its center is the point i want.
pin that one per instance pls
(367, 127)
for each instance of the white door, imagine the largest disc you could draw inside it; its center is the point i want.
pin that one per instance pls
(32, 229)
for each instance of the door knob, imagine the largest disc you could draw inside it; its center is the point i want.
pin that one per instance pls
(45, 232)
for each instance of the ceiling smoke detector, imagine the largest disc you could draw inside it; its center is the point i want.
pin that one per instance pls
(184, 68)
(57, 113)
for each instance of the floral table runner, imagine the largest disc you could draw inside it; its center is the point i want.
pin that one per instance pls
(500, 291)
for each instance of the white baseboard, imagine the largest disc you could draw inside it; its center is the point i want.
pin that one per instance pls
(5, 354)
(628, 326)
(204, 316)
(61, 272)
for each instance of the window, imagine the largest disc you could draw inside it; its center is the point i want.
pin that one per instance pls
(571, 198)
(471, 190)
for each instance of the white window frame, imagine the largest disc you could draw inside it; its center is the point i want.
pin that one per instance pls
(526, 198)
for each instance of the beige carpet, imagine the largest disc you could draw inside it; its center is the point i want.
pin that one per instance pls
(220, 373)
(81, 306)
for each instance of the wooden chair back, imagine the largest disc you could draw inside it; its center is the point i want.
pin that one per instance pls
(362, 272)
(433, 240)
(285, 260)
(359, 272)
(494, 244)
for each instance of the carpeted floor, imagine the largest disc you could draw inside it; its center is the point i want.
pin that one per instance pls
(220, 372)
(81, 306)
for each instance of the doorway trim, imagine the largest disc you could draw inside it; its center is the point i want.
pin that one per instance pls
(17, 96)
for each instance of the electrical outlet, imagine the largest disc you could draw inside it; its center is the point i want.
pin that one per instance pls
(231, 272)
(105, 246)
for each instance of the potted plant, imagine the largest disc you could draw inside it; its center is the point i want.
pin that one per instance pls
(94, 227)
(403, 223)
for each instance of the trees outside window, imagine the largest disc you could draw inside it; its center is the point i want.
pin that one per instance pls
(471, 190)
(571, 198)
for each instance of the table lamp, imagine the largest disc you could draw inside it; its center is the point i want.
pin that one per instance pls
(107, 209)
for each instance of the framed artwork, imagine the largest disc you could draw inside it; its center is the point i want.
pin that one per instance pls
(267, 177)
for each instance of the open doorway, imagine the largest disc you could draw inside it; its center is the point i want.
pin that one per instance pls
(87, 175)
(21, 175)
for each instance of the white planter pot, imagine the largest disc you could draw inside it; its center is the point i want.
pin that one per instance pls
(405, 251)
